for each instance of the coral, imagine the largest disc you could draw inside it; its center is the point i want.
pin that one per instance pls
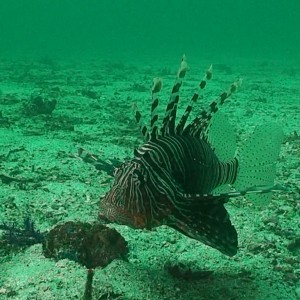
(91, 245)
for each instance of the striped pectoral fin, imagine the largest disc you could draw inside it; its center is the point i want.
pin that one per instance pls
(98, 163)
(209, 224)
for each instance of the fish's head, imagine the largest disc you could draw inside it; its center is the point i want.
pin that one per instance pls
(126, 202)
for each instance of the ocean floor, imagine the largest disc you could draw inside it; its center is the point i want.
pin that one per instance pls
(50, 109)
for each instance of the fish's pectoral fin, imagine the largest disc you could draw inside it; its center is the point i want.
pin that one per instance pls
(257, 163)
(208, 223)
(101, 165)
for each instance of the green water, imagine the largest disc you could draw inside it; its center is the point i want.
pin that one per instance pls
(122, 28)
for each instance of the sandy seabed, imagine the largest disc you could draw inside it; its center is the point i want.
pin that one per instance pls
(42, 177)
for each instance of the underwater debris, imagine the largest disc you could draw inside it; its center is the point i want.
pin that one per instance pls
(4, 121)
(6, 179)
(9, 99)
(180, 271)
(138, 87)
(64, 123)
(14, 238)
(224, 68)
(110, 296)
(294, 245)
(48, 62)
(88, 93)
(292, 137)
(37, 105)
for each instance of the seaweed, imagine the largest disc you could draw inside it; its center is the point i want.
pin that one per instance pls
(14, 238)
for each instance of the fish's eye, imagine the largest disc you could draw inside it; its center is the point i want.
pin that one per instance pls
(138, 175)
(115, 171)
(118, 171)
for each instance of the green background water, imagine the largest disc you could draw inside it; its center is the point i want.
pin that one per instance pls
(118, 28)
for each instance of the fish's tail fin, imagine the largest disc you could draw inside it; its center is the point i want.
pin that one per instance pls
(257, 163)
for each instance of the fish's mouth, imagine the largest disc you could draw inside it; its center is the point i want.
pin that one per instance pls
(109, 213)
(105, 213)
(103, 218)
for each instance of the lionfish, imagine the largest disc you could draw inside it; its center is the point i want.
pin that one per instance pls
(174, 178)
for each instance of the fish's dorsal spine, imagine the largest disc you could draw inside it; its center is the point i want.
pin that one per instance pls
(168, 124)
(142, 126)
(156, 88)
(202, 85)
(200, 125)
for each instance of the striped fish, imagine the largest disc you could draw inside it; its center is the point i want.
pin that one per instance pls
(174, 176)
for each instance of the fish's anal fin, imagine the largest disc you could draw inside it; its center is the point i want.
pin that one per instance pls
(208, 222)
